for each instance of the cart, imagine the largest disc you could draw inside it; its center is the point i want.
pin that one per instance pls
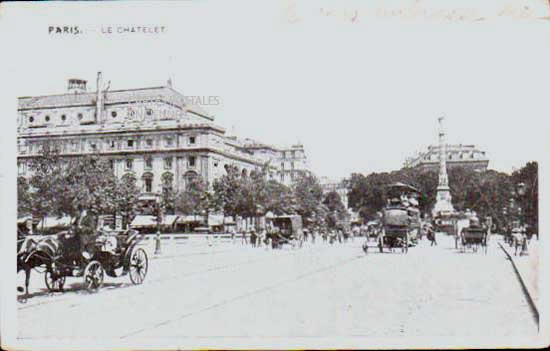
(110, 253)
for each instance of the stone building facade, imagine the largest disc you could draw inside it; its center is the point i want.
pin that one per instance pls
(468, 156)
(152, 134)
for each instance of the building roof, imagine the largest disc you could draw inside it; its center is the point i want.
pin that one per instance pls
(458, 154)
(166, 94)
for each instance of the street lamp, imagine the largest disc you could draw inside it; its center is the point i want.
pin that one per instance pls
(158, 208)
(517, 194)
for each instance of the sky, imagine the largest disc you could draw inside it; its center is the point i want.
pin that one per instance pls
(360, 88)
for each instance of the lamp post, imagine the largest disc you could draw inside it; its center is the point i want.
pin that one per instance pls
(158, 208)
(517, 194)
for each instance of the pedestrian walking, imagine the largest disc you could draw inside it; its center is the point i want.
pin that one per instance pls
(431, 235)
(253, 237)
(232, 233)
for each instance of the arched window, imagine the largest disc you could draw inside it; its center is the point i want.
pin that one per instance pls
(147, 178)
(189, 177)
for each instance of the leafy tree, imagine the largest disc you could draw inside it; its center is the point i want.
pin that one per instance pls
(228, 191)
(127, 193)
(337, 215)
(366, 194)
(527, 176)
(24, 197)
(71, 186)
(196, 199)
(308, 195)
(88, 185)
(47, 177)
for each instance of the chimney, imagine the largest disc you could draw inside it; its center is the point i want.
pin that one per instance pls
(76, 86)
(99, 99)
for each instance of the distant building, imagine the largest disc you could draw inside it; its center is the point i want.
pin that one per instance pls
(337, 185)
(467, 156)
(154, 135)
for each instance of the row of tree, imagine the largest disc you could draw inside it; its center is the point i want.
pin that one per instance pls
(61, 186)
(489, 193)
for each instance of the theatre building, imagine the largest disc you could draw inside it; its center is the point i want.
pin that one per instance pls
(457, 156)
(152, 134)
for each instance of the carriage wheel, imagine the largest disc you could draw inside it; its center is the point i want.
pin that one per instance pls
(53, 284)
(93, 276)
(139, 264)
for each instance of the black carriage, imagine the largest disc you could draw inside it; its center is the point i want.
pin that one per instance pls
(107, 253)
(473, 237)
(287, 229)
(399, 219)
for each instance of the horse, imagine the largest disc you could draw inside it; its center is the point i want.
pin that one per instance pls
(31, 254)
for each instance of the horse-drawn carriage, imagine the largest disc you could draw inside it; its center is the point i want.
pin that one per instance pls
(399, 219)
(473, 236)
(90, 256)
(286, 230)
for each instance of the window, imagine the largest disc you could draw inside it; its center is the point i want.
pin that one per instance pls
(21, 168)
(93, 146)
(148, 185)
(169, 142)
(215, 163)
(80, 116)
(63, 117)
(31, 119)
(130, 143)
(192, 161)
(168, 162)
(149, 142)
(47, 118)
(112, 144)
(148, 163)
(112, 164)
(113, 114)
(129, 164)
(191, 140)
(149, 112)
(282, 165)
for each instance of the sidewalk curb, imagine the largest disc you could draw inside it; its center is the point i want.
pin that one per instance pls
(530, 300)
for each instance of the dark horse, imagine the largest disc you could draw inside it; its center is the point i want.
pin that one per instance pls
(32, 253)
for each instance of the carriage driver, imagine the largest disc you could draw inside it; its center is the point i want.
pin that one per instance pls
(84, 234)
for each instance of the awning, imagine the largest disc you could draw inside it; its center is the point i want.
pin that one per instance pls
(169, 219)
(148, 198)
(190, 219)
(215, 220)
(53, 222)
(144, 221)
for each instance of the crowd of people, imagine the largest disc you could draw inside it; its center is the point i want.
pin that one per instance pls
(274, 238)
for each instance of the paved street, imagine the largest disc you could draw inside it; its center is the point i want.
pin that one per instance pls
(319, 290)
